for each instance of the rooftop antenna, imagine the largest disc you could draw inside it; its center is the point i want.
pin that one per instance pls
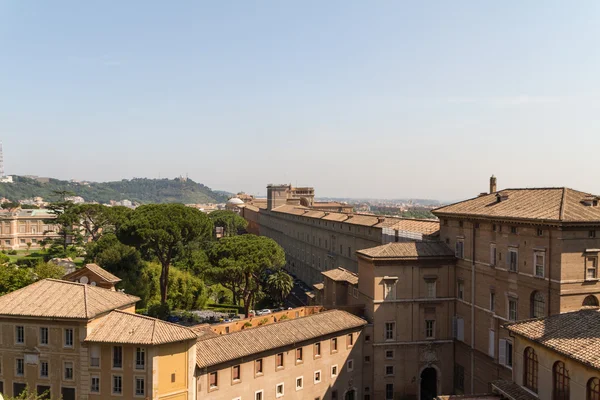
(1, 161)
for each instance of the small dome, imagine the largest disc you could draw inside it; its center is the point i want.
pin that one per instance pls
(234, 201)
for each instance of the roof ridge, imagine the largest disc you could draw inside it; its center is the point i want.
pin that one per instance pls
(151, 319)
(561, 214)
(85, 301)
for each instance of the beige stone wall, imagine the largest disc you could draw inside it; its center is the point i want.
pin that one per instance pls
(348, 376)
(17, 231)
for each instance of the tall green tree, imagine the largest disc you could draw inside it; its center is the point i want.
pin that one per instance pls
(230, 221)
(280, 284)
(163, 231)
(66, 220)
(94, 220)
(246, 261)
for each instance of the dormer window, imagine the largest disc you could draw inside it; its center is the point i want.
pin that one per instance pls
(591, 201)
(501, 197)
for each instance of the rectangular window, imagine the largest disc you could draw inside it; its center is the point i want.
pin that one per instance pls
(389, 354)
(460, 248)
(349, 340)
(279, 390)
(540, 232)
(299, 383)
(539, 264)
(68, 370)
(317, 376)
(431, 286)
(355, 292)
(279, 360)
(95, 356)
(460, 290)
(591, 268)
(299, 354)
(334, 370)
(513, 229)
(512, 309)
(258, 395)
(389, 370)
(258, 366)
(43, 369)
(95, 384)
(389, 290)
(117, 357)
(513, 257)
(459, 377)
(236, 373)
(117, 384)
(140, 358)
(389, 391)
(140, 386)
(505, 353)
(334, 345)
(390, 328)
(429, 328)
(317, 349)
(350, 365)
(68, 337)
(492, 301)
(19, 335)
(493, 254)
(20, 367)
(213, 380)
(43, 336)
(458, 328)
(492, 343)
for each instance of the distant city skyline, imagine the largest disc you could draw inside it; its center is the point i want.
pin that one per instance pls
(379, 100)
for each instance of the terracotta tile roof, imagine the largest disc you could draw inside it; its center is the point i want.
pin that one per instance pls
(250, 207)
(268, 337)
(315, 214)
(97, 270)
(426, 227)
(319, 286)
(549, 204)
(337, 217)
(575, 334)
(129, 328)
(291, 209)
(318, 204)
(364, 220)
(204, 331)
(408, 250)
(340, 274)
(511, 391)
(53, 298)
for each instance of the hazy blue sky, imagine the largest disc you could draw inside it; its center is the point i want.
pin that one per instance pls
(356, 98)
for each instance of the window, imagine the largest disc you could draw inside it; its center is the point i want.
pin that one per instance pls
(459, 377)
(513, 229)
(20, 367)
(350, 365)
(279, 360)
(460, 224)
(19, 335)
(530, 369)
(513, 257)
(460, 290)
(389, 290)
(213, 380)
(505, 353)
(279, 390)
(140, 386)
(460, 248)
(341, 249)
(117, 384)
(591, 267)
(140, 358)
(390, 328)
(590, 301)
(389, 354)
(43, 336)
(317, 376)
(349, 251)
(492, 343)
(94, 356)
(593, 389)
(334, 345)
(492, 301)
(117, 357)
(355, 292)
(429, 328)
(592, 234)
(561, 385)
(493, 254)
(431, 289)
(317, 349)
(367, 359)
(68, 370)
(458, 327)
(445, 222)
(389, 370)
(512, 309)
(334, 370)
(367, 338)
(68, 337)
(540, 232)
(299, 354)
(299, 383)
(349, 340)
(539, 263)
(334, 395)
(258, 366)
(43, 369)
(538, 305)
(389, 390)
(95, 384)
(258, 395)
(236, 373)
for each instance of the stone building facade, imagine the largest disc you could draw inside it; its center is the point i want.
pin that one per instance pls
(21, 227)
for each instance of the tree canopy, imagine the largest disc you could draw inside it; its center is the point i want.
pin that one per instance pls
(230, 221)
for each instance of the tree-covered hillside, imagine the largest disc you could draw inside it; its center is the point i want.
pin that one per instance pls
(140, 190)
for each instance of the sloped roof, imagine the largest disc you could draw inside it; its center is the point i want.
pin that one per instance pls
(548, 204)
(337, 217)
(340, 274)
(364, 220)
(319, 286)
(291, 209)
(575, 334)
(204, 331)
(53, 298)
(511, 391)
(268, 337)
(129, 328)
(408, 250)
(97, 270)
(426, 227)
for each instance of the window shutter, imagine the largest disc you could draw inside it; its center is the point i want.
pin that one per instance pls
(502, 352)
(492, 343)
(461, 329)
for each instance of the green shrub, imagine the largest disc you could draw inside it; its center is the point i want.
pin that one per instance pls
(160, 311)
(12, 252)
(29, 262)
(263, 321)
(4, 258)
(247, 325)
(283, 317)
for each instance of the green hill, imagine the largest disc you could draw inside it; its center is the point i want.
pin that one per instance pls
(139, 190)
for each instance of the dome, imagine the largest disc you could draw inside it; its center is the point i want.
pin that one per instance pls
(234, 201)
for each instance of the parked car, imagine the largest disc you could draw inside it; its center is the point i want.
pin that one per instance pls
(264, 312)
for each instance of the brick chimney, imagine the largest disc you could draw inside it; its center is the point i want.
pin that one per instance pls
(493, 184)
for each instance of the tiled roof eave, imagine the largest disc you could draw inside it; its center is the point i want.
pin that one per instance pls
(483, 217)
(398, 258)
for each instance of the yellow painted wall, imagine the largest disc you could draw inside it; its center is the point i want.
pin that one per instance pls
(173, 359)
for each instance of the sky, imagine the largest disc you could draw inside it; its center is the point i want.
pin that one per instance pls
(381, 99)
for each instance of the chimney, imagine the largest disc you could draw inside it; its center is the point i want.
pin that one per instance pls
(493, 184)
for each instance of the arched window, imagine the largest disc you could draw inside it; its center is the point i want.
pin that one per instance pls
(560, 382)
(530, 370)
(538, 305)
(590, 301)
(593, 389)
